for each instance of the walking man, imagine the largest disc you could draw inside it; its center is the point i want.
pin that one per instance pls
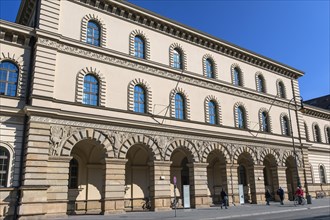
(268, 196)
(280, 193)
(224, 198)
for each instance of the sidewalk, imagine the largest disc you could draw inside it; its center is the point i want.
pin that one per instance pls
(212, 213)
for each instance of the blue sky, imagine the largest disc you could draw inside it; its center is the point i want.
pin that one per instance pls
(294, 32)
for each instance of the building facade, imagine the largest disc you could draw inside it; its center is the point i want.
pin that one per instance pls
(101, 109)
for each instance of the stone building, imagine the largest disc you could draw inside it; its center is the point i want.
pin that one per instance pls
(104, 104)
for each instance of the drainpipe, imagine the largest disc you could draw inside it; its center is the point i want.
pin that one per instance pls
(29, 82)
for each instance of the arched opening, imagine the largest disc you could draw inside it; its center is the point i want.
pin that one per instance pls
(181, 170)
(291, 176)
(216, 175)
(137, 178)
(86, 178)
(270, 175)
(245, 171)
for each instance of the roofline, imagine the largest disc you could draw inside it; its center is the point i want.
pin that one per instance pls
(20, 11)
(301, 73)
(310, 110)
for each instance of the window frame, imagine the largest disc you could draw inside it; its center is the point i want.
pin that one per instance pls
(286, 127)
(8, 84)
(209, 68)
(140, 106)
(93, 27)
(177, 59)
(139, 47)
(76, 177)
(241, 117)
(322, 174)
(213, 112)
(5, 165)
(180, 111)
(90, 93)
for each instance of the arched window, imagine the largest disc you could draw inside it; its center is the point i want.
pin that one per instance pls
(265, 122)
(91, 90)
(237, 77)
(73, 174)
(306, 132)
(286, 126)
(322, 174)
(209, 68)
(327, 132)
(242, 175)
(8, 78)
(179, 106)
(139, 99)
(260, 84)
(281, 90)
(139, 47)
(241, 121)
(213, 117)
(177, 59)
(4, 166)
(317, 134)
(93, 33)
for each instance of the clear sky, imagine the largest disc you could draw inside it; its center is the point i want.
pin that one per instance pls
(293, 32)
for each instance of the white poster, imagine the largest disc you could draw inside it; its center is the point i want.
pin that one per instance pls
(186, 197)
(241, 193)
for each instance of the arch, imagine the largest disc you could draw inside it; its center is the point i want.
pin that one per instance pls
(232, 70)
(214, 64)
(245, 149)
(322, 174)
(84, 134)
(186, 99)
(241, 104)
(218, 109)
(281, 92)
(272, 152)
(215, 147)
(262, 89)
(183, 54)
(22, 71)
(148, 93)
(269, 120)
(316, 132)
(97, 19)
(141, 34)
(283, 128)
(181, 143)
(140, 139)
(287, 154)
(11, 162)
(80, 84)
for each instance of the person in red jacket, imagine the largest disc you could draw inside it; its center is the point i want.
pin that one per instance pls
(300, 194)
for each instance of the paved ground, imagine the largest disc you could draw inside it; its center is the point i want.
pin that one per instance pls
(319, 209)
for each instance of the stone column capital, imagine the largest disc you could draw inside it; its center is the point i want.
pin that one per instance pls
(198, 165)
(60, 159)
(115, 161)
(160, 163)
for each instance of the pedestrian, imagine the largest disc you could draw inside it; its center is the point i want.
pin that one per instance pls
(224, 198)
(268, 196)
(280, 193)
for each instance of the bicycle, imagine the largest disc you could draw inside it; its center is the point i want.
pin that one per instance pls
(174, 203)
(296, 201)
(147, 204)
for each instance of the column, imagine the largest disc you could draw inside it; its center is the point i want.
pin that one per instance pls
(281, 173)
(114, 189)
(275, 183)
(160, 182)
(57, 193)
(198, 184)
(35, 184)
(232, 183)
(257, 184)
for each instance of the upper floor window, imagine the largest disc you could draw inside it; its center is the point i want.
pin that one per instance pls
(265, 122)
(179, 106)
(209, 68)
(213, 117)
(261, 84)
(177, 59)
(237, 80)
(8, 78)
(241, 120)
(285, 124)
(306, 132)
(93, 33)
(91, 90)
(281, 90)
(322, 174)
(139, 99)
(4, 166)
(139, 47)
(327, 133)
(317, 134)
(73, 174)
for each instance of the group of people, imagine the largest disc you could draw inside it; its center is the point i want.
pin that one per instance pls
(280, 192)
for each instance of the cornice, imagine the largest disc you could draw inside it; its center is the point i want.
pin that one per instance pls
(135, 14)
(15, 33)
(316, 112)
(125, 61)
(25, 11)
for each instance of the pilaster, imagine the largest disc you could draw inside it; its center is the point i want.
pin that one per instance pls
(232, 183)
(198, 180)
(281, 173)
(257, 184)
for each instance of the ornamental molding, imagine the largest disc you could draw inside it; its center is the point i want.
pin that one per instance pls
(99, 21)
(214, 65)
(111, 59)
(146, 40)
(160, 24)
(148, 94)
(217, 109)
